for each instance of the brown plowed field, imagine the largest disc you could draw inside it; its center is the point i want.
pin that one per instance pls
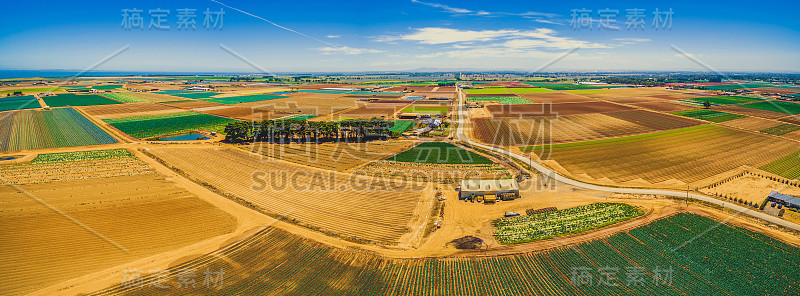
(582, 127)
(751, 123)
(559, 109)
(338, 204)
(191, 104)
(663, 106)
(687, 155)
(795, 119)
(123, 110)
(332, 156)
(371, 110)
(778, 90)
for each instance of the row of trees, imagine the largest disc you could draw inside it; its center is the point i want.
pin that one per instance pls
(301, 130)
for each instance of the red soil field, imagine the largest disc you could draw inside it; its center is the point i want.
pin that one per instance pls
(534, 110)
(663, 106)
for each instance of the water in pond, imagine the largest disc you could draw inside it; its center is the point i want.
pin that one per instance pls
(2, 158)
(188, 137)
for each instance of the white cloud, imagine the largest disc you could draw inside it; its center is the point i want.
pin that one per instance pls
(542, 38)
(442, 6)
(333, 36)
(629, 41)
(347, 50)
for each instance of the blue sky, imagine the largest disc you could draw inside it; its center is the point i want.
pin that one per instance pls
(311, 36)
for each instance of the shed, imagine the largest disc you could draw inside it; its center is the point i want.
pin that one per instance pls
(505, 188)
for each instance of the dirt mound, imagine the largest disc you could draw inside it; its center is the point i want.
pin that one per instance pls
(467, 243)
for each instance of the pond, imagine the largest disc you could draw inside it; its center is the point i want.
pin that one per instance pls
(187, 137)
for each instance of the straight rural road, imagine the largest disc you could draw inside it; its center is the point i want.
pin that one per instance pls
(544, 170)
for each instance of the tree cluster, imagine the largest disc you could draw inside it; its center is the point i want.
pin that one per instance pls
(301, 130)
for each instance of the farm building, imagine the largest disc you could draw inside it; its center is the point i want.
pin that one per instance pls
(786, 200)
(504, 189)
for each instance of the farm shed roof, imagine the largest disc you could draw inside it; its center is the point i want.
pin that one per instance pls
(489, 185)
(784, 197)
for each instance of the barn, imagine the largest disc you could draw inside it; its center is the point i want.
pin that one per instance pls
(493, 189)
(786, 200)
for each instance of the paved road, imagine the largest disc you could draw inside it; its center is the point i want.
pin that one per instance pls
(546, 171)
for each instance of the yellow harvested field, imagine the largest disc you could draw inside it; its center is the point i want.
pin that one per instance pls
(352, 207)
(332, 156)
(686, 155)
(156, 97)
(752, 123)
(434, 172)
(637, 95)
(144, 214)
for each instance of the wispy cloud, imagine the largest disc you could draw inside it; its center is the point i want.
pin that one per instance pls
(442, 6)
(461, 39)
(333, 36)
(629, 41)
(347, 50)
(456, 10)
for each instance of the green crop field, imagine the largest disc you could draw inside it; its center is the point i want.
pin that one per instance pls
(566, 86)
(64, 100)
(60, 127)
(244, 99)
(725, 100)
(776, 106)
(30, 90)
(440, 152)
(402, 125)
(107, 86)
(522, 229)
(82, 156)
(425, 109)
(684, 254)
(19, 102)
(788, 166)
(502, 100)
(737, 86)
(125, 97)
(165, 124)
(710, 115)
(195, 95)
(529, 90)
(487, 91)
(781, 129)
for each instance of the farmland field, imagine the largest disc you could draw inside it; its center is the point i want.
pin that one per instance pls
(365, 210)
(330, 156)
(18, 103)
(501, 100)
(688, 155)
(402, 125)
(63, 100)
(529, 90)
(126, 97)
(439, 152)
(776, 106)
(243, 99)
(781, 129)
(433, 172)
(752, 123)
(720, 259)
(140, 211)
(107, 86)
(30, 91)
(61, 127)
(425, 109)
(164, 124)
(560, 109)
(710, 115)
(725, 100)
(787, 166)
(521, 229)
(493, 90)
(127, 110)
(195, 95)
(580, 127)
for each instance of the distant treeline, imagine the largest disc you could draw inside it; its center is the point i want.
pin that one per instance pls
(301, 130)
